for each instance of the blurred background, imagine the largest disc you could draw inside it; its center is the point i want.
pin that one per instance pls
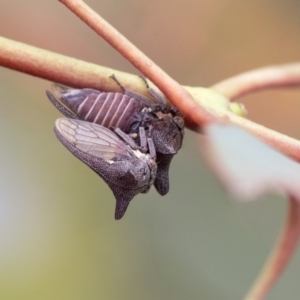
(58, 236)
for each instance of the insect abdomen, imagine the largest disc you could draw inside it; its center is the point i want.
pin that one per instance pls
(106, 109)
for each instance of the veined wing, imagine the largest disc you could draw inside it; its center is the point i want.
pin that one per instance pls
(72, 97)
(93, 139)
(58, 89)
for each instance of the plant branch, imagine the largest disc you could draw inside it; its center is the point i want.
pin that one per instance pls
(260, 79)
(59, 68)
(281, 254)
(73, 72)
(179, 96)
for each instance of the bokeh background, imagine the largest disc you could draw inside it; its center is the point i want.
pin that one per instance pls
(58, 237)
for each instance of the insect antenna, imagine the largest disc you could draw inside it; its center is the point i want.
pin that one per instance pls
(161, 100)
(146, 101)
(113, 76)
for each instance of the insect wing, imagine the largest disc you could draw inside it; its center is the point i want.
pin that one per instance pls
(93, 140)
(72, 98)
(106, 109)
(67, 100)
(65, 111)
(108, 156)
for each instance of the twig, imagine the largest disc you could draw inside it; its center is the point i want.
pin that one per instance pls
(173, 90)
(58, 68)
(281, 255)
(73, 72)
(271, 77)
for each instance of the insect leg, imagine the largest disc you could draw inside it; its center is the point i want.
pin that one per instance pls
(147, 143)
(151, 148)
(143, 139)
(161, 100)
(125, 137)
(60, 107)
(150, 130)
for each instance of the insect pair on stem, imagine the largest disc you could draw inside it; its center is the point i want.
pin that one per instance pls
(124, 137)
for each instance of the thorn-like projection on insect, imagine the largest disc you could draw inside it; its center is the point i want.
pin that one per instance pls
(127, 172)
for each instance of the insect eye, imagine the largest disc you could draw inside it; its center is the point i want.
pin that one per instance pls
(179, 122)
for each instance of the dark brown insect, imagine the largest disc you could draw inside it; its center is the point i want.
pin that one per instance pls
(127, 172)
(131, 113)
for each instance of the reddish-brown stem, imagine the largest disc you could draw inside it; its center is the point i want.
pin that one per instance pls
(281, 254)
(77, 73)
(260, 79)
(173, 90)
(53, 66)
